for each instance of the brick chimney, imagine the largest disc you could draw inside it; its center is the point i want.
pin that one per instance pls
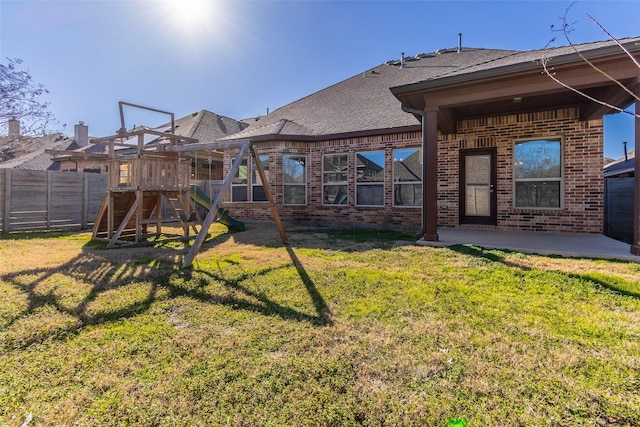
(81, 134)
(14, 127)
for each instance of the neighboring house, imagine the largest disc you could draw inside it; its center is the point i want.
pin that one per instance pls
(623, 167)
(502, 144)
(29, 152)
(202, 125)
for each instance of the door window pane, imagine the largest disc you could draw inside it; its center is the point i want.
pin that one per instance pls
(477, 185)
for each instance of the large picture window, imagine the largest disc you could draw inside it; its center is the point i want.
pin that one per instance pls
(407, 177)
(257, 189)
(295, 179)
(538, 173)
(239, 183)
(370, 178)
(334, 179)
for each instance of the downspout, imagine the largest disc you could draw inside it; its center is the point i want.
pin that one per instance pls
(423, 122)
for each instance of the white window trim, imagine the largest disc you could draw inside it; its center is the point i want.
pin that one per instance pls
(561, 179)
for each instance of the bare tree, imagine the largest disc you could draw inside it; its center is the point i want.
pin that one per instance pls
(20, 98)
(566, 30)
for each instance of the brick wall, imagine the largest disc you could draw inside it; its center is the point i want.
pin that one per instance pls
(406, 218)
(583, 177)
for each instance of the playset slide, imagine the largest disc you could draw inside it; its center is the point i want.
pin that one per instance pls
(201, 198)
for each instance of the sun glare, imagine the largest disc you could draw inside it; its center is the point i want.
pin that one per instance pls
(191, 19)
(189, 13)
(192, 25)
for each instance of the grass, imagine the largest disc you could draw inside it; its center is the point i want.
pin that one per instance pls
(338, 328)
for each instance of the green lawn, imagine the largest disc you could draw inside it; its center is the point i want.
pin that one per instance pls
(339, 328)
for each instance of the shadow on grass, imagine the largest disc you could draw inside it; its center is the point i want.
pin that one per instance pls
(100, 270)
(264, 305)
(324, 314)
(611, 283)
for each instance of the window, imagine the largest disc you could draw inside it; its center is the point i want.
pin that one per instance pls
(295, 179)
(125, 174)
(257, 189)
(334, 179)
(239, 183)
(538, 173)
(407, 177)
(370, 178)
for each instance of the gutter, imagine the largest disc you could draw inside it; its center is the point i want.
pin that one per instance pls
(566, 59)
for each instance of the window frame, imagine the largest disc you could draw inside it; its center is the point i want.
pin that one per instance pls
(285, 184)
(326, 184)
(400, 183)
(560, 179)
(373, 183)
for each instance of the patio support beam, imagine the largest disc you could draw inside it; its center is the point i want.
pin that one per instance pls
(635, 245)
(430, 174)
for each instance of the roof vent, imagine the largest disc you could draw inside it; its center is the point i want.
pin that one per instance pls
(402, 60)
(459, 42)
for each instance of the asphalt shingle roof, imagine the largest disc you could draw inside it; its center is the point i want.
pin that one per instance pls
(29, 152)
(364, 101)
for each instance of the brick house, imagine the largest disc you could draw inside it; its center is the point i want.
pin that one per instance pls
(496, 142)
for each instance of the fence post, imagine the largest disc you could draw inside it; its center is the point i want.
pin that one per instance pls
(85, 201)
(6, 214)
(49, 197)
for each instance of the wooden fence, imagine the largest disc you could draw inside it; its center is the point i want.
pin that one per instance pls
(618, 208)
(48, 200)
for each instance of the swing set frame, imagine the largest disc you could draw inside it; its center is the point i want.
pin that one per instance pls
(243, 146)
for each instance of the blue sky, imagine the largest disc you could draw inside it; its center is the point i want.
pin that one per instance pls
(240, 58)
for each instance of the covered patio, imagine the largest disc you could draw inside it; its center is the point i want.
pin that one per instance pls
(517, 85)
(578, 245)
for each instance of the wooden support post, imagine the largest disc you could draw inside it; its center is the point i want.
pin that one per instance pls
(101, 212)
(267, 190)
(211, 215)
(110, 212)
(124, 222)
(159, 214)
(139, 226)
(635, 245)
(430, 175)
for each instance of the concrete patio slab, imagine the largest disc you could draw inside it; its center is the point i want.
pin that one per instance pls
(577, 245)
